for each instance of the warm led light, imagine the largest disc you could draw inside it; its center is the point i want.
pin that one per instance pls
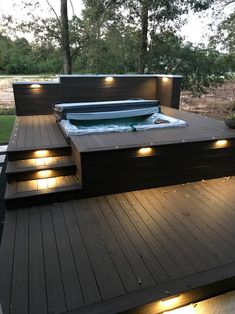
(221, 143)
(109, 79)
(44, 173)
(145, 151)
(169, 302)
(43, 161)
(41, 153)
(165, 79)
(42, 184)
(40, 162)
(51, 183)
(35, 85)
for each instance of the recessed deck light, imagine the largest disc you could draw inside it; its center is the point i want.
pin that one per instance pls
(165, 79)
(44, 173)
(221, 143)
(42, 184)
(109, 79)
(35, 85)
(145, 151)
(41, 153)
(171, 301)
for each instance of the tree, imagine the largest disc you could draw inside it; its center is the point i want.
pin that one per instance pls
(225, 34)
(56, 30)
(65, 37)
(155, 16)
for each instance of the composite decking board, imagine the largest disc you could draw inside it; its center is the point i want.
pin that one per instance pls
(208, 123)
(7, 260)
(36, 132)
(221, 194)
(127, 275)
(197, 119)
(54, 281)
(21, 139)
(43, 131)
(72, 289)
(151, 251)
(161, 234)
(173, 229)
(108, 279)
(213, 213)
(116, 234)
(216, 202)
(30, 126)
(209, 224)
(133, 256)
(86, 274)
(14, 133)
(219, 279)
(192, 232)
(37, 282)
(20, 288)
(204, 232)
(218, 212)
(155, 235)
(199, 129)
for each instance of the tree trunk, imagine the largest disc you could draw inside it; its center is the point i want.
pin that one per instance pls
(144, 37)
(65, 37)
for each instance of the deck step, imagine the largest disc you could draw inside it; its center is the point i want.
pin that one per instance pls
(38, 168)
(41, 191)
(38, 153)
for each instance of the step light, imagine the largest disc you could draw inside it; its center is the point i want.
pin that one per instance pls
(41, 153)
(145, 151)
(43, 161)
(221, 143)
(42, 184)
(109, 79)
(170, 302)
(165, 79)
(35, 85)
(44, 173)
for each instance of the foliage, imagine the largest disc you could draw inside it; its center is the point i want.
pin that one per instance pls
(20, 57)
(225, 34)
(109, 39)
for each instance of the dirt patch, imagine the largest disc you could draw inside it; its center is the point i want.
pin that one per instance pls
(217, 103)
(6, 90)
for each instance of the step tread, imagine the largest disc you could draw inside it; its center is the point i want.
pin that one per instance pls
(36, 164)
(29, 188)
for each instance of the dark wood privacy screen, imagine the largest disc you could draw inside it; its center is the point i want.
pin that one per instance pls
(37, 98)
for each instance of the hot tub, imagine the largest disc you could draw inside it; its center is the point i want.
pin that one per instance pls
(113, 116)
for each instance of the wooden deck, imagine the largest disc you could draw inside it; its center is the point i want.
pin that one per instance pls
(41, 131)
(35, 132)
(113, 253)
(177, 155)
(199, 129)
(114, 162)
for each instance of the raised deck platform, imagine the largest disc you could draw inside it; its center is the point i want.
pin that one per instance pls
(113, 162)
(114, 253)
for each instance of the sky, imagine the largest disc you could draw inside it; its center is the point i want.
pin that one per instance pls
(195, 30)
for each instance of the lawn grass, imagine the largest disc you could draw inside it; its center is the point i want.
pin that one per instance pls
(6, 124)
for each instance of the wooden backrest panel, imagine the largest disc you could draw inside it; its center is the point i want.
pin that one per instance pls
(39, 100)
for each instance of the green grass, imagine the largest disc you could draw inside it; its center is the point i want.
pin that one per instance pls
(6, 124)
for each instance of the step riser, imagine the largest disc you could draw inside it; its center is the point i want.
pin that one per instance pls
(28, 154)
(42, 199)
(39, 174)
